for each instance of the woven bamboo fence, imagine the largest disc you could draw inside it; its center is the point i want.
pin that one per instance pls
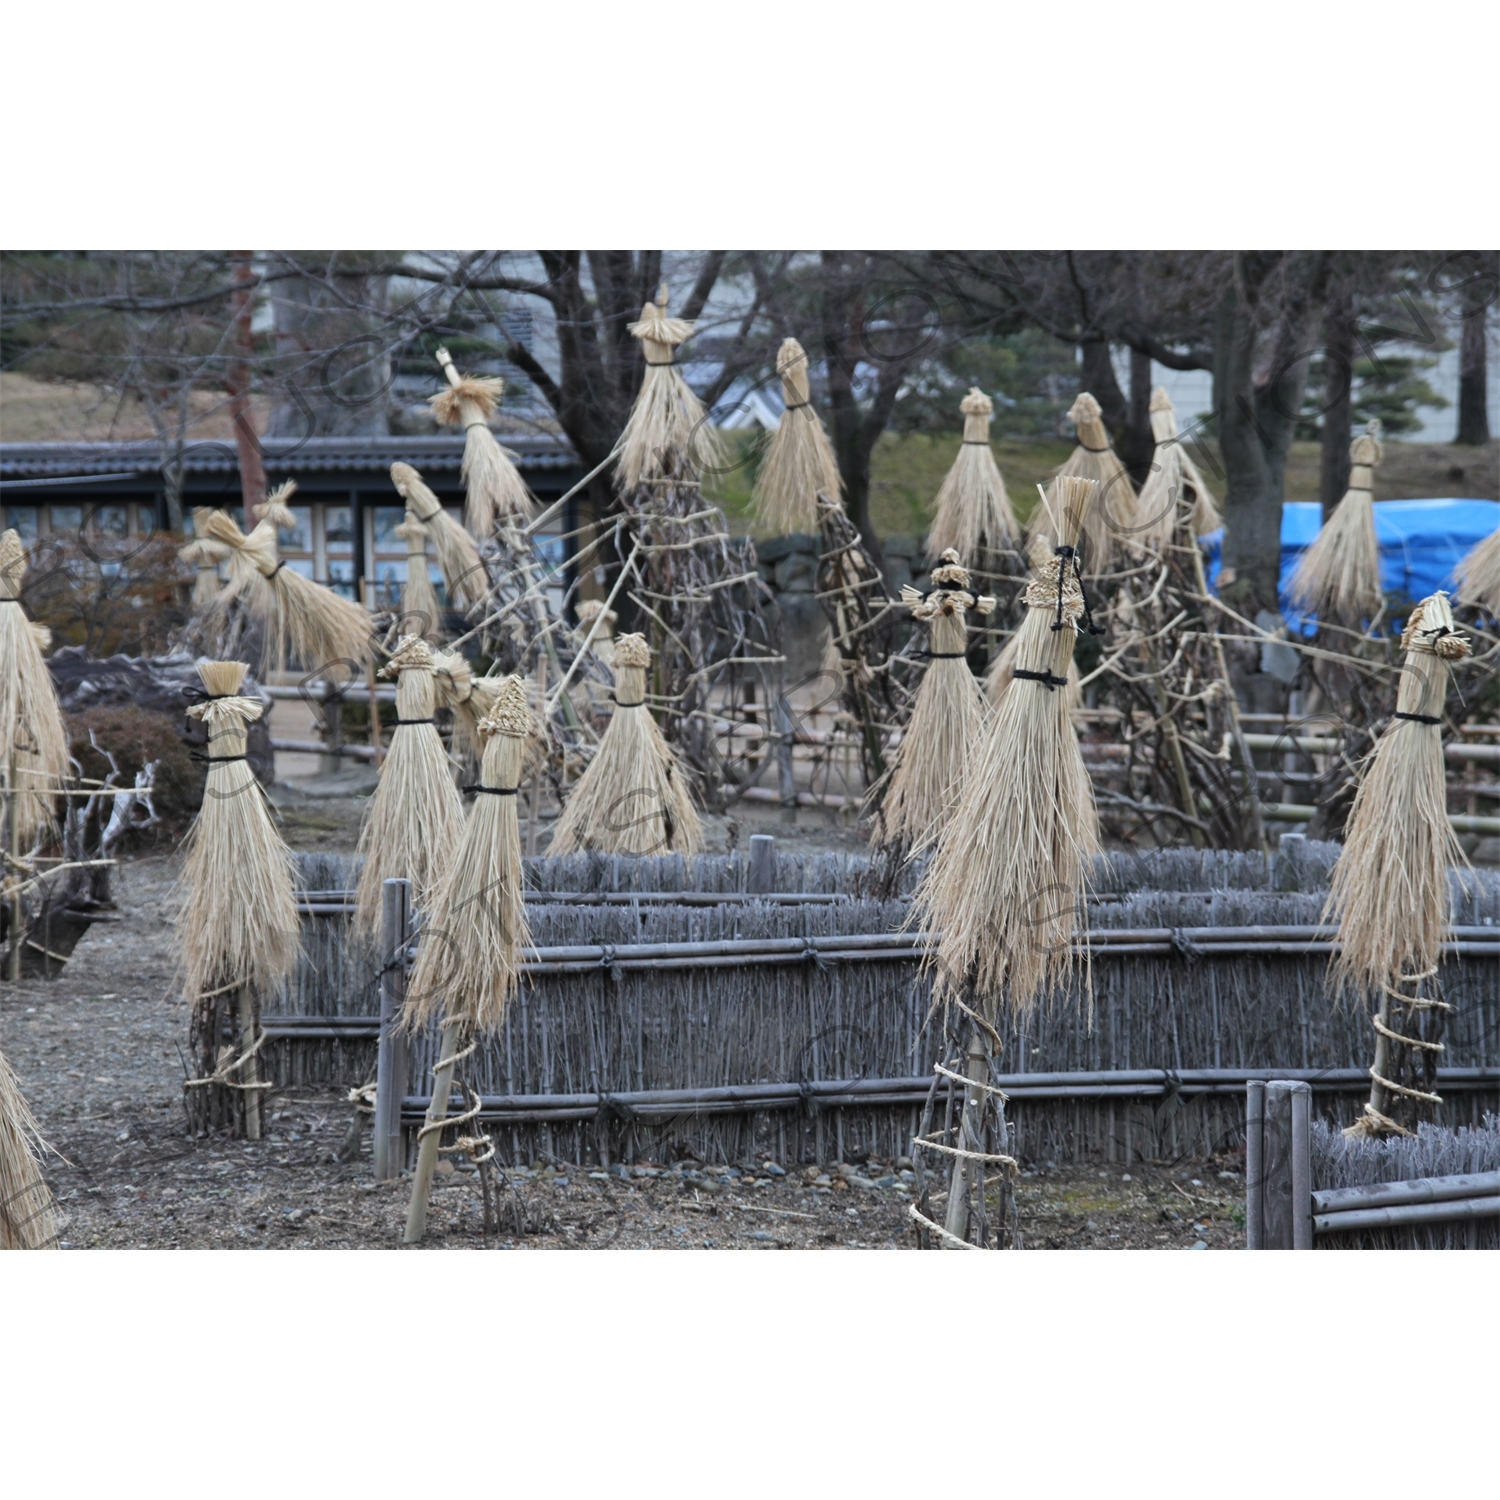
(788, 1034)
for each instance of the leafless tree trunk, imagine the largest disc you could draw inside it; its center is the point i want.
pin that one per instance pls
(237, 386)
(1338, 397)
(1473, 375)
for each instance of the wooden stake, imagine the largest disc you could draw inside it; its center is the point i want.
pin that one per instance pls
(250, 1072)
(379, 748)
(427, 1152)
(14, 873)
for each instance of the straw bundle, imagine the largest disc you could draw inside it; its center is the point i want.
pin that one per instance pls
(1478, 575)
(27, 1211)
(1174, 493)
(667, 422)
(799, 465)
(1006, 883)
(33, 745)
(492, 483)
(1338, 577)
(421, 613)
(469, 959)
(471, 698)
(204, 555)
(634, 796)
(1390, 887)
(603, 642)
(457, 556)
(239, 922)
(415, 819)
(998, 678)
(1109, 524)
(948, 715)
(974, 517)
(302, 618)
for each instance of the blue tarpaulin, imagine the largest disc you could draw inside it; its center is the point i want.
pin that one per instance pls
(1421, 541)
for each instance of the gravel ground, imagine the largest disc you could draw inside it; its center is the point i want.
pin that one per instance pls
(99, 1055)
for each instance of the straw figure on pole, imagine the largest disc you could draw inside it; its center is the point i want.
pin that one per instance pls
(421, 614)
(1173, 485)
(974, 517)
(302, 618)
(415, 818)
(1338, 577)
(1390, 887)
(469, 961)
(205, 556)
(1108, 527)
(666, 420)
(946, 719)
(799, 465)
(493, 485)
(33, 743)
(1006, 883)
(237, 932)
(28, 1213)
(634, 797)
(1478, 575)
(464, 574)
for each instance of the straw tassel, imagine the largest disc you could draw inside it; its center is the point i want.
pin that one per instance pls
(799, 465)
(946, 719)
(1478, 575)
(1174, 493)
(634, 796)
(238, 925)
(302, 618)
(464, 574)
(205, 556)
(415, 818)
(33, 743)
(419, 600)
(1390, 888)
(667, 419)
(1005, 886)
(28, 1214)
(492, 483)
(974, 517)
(1108, 528)
(1338, 577)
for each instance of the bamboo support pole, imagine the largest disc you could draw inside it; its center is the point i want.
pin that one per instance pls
(966, 1182)
(375, 741)
(392, 1048)
(427, 1150)
(13, 874)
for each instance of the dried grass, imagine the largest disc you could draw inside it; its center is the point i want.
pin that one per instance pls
(634, 798)
(28, 1215)
(799, 465)
(667, 420)
(1107, 525)
(1478, 575)
(302, 619)
(31, 727)
(946, 720)
(457, 556)
(468, 962)
(1390, 887)
(415, 819)
(1338, 577)
(974, 517)
(205, 555)
(419, 600)
(1174, 493)
(493, 486)
(238, 924)
(1006, 883)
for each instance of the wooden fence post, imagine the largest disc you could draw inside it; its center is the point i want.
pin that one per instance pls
(394, 1048)
(1302, 1225)
(1276, 1166)
(1255, 1122)
(762, 876)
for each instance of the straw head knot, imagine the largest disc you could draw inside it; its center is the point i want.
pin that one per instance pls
(12, 565)
(483, 392)
(632, 651)
(510, 713)
(1084, 409)
(976, 404)
(411, 651)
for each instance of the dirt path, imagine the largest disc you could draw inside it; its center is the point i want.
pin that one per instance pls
(98, 1053)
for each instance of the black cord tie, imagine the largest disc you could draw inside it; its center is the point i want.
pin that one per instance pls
(1418, 718)
(400, 722)
(494, 791)
(797, 405)
(1049, 680)
(638, 702)
(1073, 554)
(470, 426)
(1105, 449)
(9, 601)
(274, 571)
(946, 655)
(215, 760)
(660, 364)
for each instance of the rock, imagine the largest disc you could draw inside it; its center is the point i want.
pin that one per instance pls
(1201, 1245)
(773, 1170)
(885, 1182)
(598, 1176)
(854, 1180)
(822, 1180)
(904, 1163)
(444, 1168)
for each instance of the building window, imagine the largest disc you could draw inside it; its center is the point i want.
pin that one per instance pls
(22, 519)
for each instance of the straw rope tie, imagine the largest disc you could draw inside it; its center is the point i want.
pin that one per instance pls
(912, 1212)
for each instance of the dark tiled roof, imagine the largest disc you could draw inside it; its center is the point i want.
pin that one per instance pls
(20, 461)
